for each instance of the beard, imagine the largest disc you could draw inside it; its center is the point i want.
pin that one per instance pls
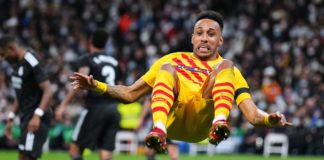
(12, 61)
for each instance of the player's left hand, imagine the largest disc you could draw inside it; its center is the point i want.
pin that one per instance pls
(34, 124)
(277, 120)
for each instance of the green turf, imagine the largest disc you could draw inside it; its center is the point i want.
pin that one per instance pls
(12, 155)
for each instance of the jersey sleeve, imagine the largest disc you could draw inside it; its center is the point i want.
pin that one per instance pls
(149, 76)
(40, 73)
(242, 90)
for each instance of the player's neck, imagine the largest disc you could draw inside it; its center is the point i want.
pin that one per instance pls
(95, 50)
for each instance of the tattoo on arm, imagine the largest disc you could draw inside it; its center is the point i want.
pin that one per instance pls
(118, 92)
(128, 94)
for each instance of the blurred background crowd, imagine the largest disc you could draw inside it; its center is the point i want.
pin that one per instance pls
(277, 45)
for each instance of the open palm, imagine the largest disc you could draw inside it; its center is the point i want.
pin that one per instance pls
(81, 81)
(278, 119)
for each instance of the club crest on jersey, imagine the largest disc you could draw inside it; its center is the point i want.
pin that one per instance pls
(21, 71)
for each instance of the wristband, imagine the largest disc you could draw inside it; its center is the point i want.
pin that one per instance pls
(11, 115)
(266, 120)
(101, 88)
(39, 112)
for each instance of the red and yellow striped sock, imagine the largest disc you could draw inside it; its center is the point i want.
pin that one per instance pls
(223, 94)
(162, 98)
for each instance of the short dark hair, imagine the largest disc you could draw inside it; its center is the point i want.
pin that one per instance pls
(5, 40)
(99, 38)
(213, 15)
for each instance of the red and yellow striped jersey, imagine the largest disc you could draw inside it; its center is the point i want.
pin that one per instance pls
(190, 116)
(194, 71)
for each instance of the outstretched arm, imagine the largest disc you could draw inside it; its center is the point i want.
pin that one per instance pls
(258, 117)
(126, 94)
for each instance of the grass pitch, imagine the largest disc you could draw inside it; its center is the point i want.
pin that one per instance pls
(56, 155)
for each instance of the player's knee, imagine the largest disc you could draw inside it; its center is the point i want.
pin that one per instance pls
(224, 65)
(168, 67)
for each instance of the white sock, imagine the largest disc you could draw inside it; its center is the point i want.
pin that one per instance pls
(161, 126)
(219, 117)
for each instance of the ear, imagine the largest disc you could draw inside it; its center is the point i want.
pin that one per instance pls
(192, 38)
(221, 41)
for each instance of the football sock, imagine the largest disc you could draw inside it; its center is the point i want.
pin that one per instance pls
(162, 98)
(223, 94)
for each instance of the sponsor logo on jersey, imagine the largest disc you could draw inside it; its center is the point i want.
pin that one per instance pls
(16, 82)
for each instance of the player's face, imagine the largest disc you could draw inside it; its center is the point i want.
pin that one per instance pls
(8, 53)
(206, 38)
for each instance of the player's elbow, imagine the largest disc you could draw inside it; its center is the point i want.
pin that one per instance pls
(128, 100)
(255, 121)
(129, 97)
(47, 89)
(49, 92)
(252, 118)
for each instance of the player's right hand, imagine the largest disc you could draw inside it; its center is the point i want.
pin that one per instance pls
(8, 129)
(81, 81)
(34, 124)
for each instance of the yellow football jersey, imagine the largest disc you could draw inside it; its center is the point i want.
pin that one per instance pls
(191, 116)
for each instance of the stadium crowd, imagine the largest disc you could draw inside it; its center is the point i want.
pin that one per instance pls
(277, 45)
